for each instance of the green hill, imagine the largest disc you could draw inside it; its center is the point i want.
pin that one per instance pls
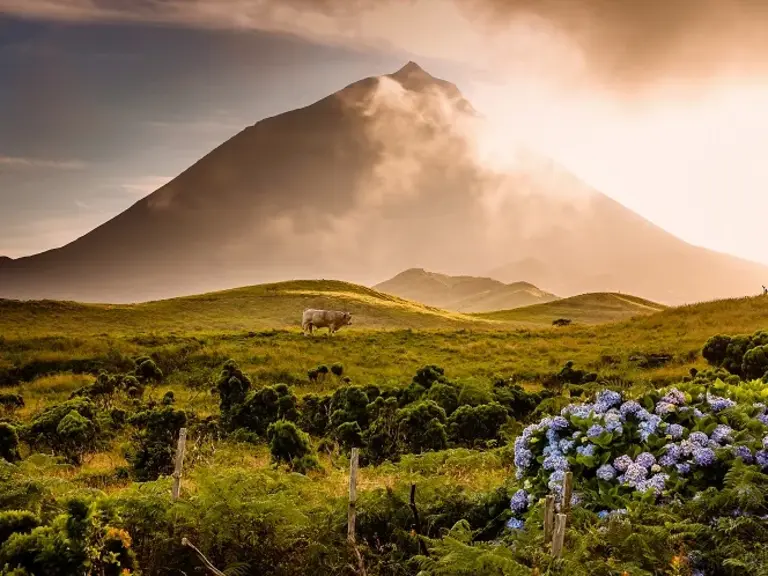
(259, 307)
(462, 293)
(595, 308)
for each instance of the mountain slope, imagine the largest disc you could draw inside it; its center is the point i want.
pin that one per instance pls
(595, 308)
(462, 293)
(381, 176)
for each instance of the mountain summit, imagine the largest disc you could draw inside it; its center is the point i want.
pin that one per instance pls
(376, 178)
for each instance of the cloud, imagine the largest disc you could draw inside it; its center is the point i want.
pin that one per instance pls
(15, 162)
(625, 44)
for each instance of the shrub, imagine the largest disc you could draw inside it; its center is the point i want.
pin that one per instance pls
(755, 363)
(421, 427)
(263, 407)
(349, 404)
(289, 445)
(233, 386)
(9, 442)
(76, 436)
(315, 414)
(9, 403)
(154, 441)
(16, 522)
(473, 425)
(337, 370)
(147, 371)
(444, 395)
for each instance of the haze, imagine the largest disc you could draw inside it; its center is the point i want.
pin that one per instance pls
(659, 105)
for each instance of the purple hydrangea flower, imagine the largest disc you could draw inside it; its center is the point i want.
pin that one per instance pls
(703, 456)
(586, 450)
(606, 472)
(595, 430)
(743, 453)
(630, 407)
(683, 468)
(646, 460)
(519, 501)
(675, 431)
(721, 433)
(698, 413)
(674, 396)
(761, 457)
(765, 442)
(575, 499)
(582, 411)
(656, 483)
(699, 438)
(622, 463)
(565, 445)
(613, 423)
(686, 447)
(515, 524)
(648, 426)
(665, 408)
(635, 475)
(763, 418)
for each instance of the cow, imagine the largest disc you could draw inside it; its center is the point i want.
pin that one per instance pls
(331, 319)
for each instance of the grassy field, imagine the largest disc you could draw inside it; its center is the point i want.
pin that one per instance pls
(597, 308)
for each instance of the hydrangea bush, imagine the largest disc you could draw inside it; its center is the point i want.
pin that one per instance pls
(664, 445)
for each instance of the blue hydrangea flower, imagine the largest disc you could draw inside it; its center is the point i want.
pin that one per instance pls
(763, 418)
(675, 431)
(523, 458)
(555, 461)
(560, 423)
(646, 460)
(586, 450)
(609, 398)
(743, 453)
(648, 426)
(519, 502)
(672, 453)
(703, 456)
(606, 472)
(515, 524)
(603, 514)
(575, 499)
(765, 442)
(698, 413)
(683, 468)
(717, 403)
(613, 423)
(565, 445)
(721, 433)
(699, 438)
(630, 407)
(761, 457)
(595, 430)
(622, 463)
(686, 447)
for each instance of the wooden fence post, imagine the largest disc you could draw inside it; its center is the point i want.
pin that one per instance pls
(179, 464)
(558, 538)
(351, 511)
(565, 505)
(549, 518)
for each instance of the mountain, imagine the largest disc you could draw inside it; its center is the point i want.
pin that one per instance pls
(386, 174)
(462, 293)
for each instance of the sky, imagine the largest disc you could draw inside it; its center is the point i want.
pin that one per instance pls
(661, 105)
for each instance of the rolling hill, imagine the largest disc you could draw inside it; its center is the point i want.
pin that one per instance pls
(594, 308)
(381, 176)
(462, 293)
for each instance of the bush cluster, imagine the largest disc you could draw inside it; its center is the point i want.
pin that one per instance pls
(743, 355)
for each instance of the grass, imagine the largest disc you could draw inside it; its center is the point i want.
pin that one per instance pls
(279, 306)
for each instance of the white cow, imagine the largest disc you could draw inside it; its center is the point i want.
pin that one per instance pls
(331, 319)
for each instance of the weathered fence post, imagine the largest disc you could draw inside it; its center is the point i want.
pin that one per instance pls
(558, 538)
(351, 511)
(179, 464)
(353, 463)
(565, 505)
(549, 518)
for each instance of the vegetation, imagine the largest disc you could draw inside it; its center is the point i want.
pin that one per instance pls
(481, 421)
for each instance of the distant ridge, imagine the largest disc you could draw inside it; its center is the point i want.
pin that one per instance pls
(462, 293)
